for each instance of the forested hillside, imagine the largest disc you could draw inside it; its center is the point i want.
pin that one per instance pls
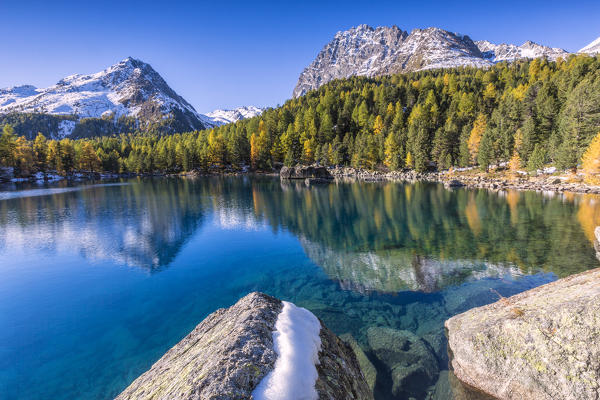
(528, 112)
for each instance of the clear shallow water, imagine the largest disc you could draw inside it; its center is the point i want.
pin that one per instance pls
(98, 281)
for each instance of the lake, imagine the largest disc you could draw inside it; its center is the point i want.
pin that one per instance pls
(100, 280)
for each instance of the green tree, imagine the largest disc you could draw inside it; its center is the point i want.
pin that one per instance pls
(40, 150)
(537, 159)
(7, 146)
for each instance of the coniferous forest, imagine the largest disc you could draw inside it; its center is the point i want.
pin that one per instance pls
(526, 113)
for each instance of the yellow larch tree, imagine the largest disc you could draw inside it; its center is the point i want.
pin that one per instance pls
(475, 138)
(590, 162)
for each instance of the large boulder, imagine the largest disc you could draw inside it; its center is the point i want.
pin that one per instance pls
(305, 172)
(229, 353)
(541, 344)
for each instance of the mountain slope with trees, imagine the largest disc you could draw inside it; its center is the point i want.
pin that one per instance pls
(367, 51)
(528, 113)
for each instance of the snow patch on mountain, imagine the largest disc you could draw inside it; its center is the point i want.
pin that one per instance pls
(222, 117)
(592, 48)
(65, 128)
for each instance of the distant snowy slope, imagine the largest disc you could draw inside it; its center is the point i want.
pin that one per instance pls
(222, 117)
(511, 52)
(592, 48)
(15, 94)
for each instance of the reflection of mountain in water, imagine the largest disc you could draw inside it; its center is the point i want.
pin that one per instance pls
(142, 225)
(396, 270)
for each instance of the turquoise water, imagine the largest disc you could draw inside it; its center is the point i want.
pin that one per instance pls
(98, 281)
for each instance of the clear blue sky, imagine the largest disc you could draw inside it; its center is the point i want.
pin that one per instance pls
(224, 54)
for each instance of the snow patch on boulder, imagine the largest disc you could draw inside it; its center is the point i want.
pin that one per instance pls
(297, 344)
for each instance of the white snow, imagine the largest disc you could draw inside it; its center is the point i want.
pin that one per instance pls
(222, 117)
(65, 128)
(297, 344)
(591, 48)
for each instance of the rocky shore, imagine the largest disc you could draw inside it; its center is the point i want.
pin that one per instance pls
(228, 355)
(545, 183)
(540, 344)
(322, 175)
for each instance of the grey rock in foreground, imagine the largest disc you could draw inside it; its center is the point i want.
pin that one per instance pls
(540, 344)
(231, 351)
(227, 354)
(340, 375)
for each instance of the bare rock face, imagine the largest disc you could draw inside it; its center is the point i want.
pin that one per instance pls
(231, 351)
(540, 344)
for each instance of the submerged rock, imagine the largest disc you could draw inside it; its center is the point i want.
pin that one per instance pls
(410, 363)
(541, 344)
(228, 354)
(304, 172)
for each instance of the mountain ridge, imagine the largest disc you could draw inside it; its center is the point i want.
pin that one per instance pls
(367, 51)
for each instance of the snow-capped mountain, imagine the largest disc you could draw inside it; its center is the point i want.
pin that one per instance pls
(511, 52)
(130, 88)
(368, 51)
(592, 48)
(222, 117)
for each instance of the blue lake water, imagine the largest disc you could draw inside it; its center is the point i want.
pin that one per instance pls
(98, 281)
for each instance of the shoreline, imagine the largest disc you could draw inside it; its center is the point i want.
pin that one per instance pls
(542, 183)
(451, 179)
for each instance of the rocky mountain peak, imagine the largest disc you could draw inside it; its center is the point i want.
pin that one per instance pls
(368, 51)
(129, 88)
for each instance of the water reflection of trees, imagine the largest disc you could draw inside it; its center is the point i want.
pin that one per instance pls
(476, 228)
